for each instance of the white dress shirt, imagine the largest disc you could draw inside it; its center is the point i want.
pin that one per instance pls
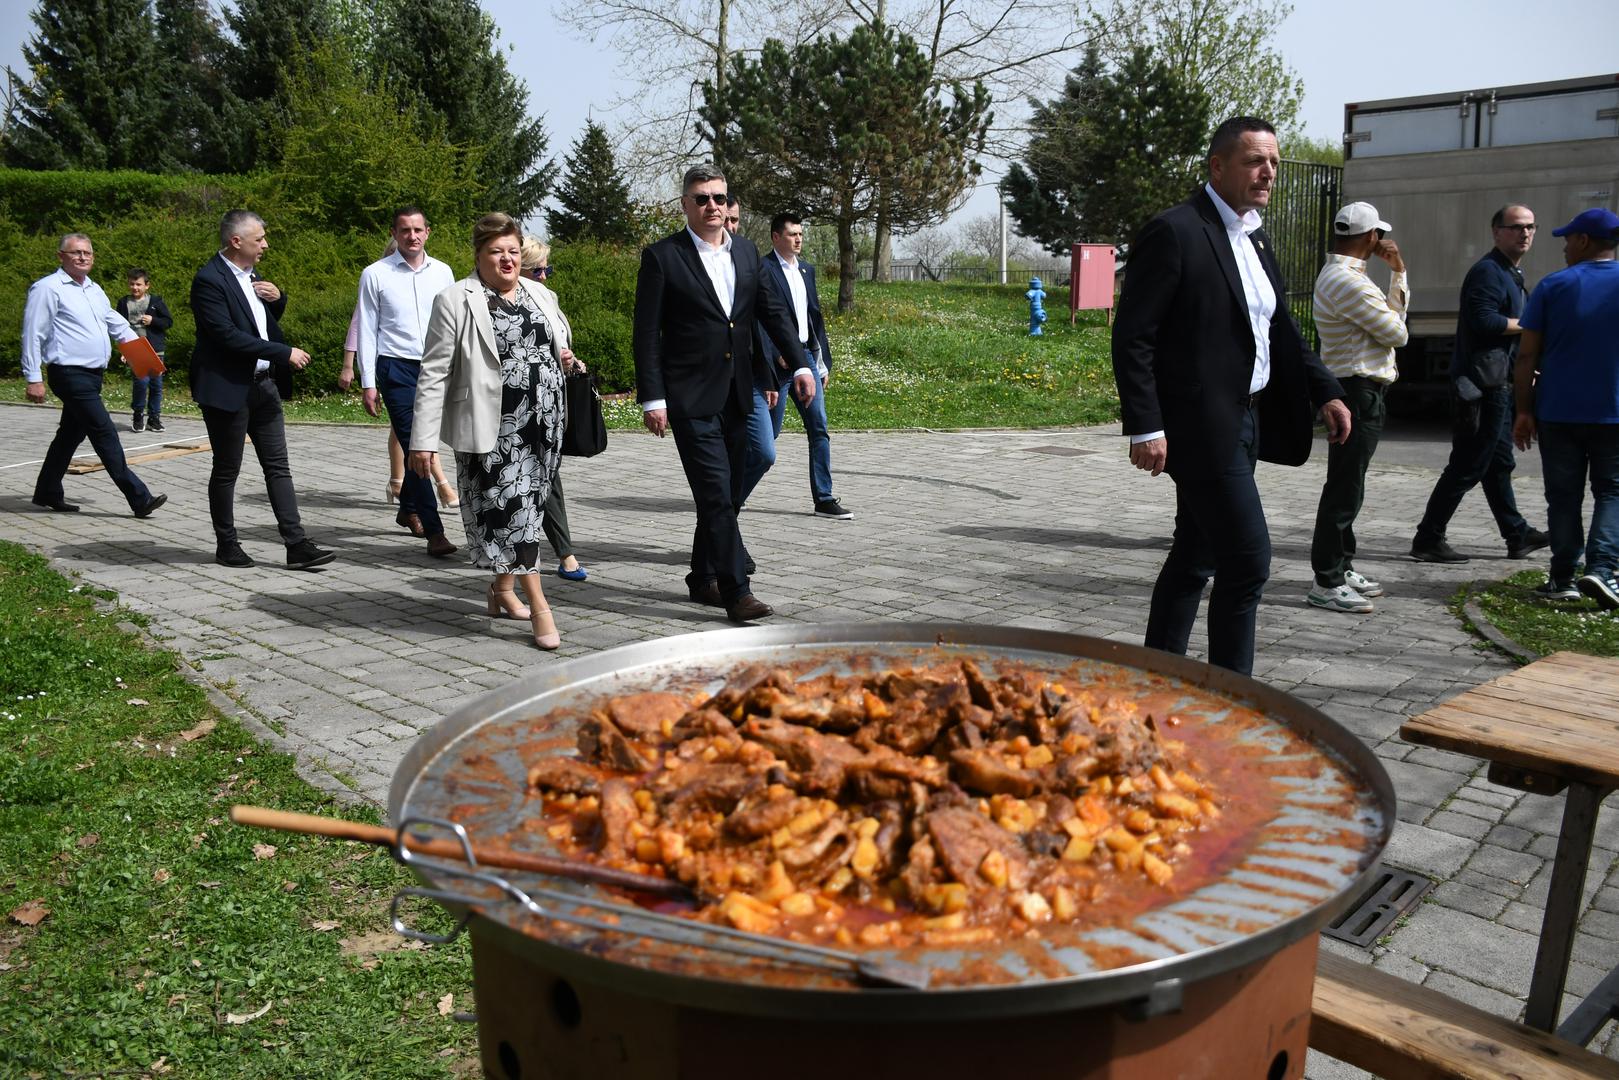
(800, 294)
(244, 278)
(69, 324)
(396, 302)
(721, 271)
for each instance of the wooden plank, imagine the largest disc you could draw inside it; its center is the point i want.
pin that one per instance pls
(1401, 1031)
(1575, 687)
(1523, 726)
(1590, 710)
(171, 450)
(1526, 745)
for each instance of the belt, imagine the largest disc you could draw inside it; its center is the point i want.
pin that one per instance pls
(402, 359)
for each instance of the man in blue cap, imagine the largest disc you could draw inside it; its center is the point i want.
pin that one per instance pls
(1571, 339)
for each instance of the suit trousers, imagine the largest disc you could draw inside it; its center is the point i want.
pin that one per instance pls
(713, 451)
(1480, 454)
(84, 415)
(261, 418)
(555, 521)
(396, 382)
(1220, 533)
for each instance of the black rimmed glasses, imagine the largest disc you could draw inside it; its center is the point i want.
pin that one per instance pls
(1518, 228)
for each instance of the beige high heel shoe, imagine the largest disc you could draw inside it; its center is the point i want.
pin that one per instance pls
(505, 605)
(392, 494)
(548, 640)
(447, 496)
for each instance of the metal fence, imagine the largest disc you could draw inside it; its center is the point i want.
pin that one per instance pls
(1054, 271)
(1299, 223)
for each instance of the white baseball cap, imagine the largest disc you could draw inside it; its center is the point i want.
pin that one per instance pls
(1357, 218)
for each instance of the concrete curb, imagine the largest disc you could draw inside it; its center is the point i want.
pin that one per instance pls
(1484, 628)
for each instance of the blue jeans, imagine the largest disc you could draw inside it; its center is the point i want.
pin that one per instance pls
(84, 415)
(1480, 453)
(1567, 453)
(764, 427)
(396, 382)
(147, 396)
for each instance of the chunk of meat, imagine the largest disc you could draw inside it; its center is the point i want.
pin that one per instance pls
(761, 819)
(618, 811)
(912, 728)
(565, 775)
(920, 865)
(601, 741)
(643, 716)
(701, 722)
(983, 771)
(882, 761)
(963, 837)
(821, 761)
(743, 683)
(818, 856)
(711, 787)
(983, 694)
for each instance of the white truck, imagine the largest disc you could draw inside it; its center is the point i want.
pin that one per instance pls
(1438, 166)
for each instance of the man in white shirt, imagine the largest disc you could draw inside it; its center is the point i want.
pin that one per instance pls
(241, 369)
(66, 326)
(396, 301)
(1360, 328)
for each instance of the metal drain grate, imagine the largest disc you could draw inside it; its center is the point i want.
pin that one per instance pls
(1393, 893)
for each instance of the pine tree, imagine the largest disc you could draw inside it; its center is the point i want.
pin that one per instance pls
(271, 37)
(443, 54)
(1045, 193)
(206, 126)
(594, 197)
(89, 102)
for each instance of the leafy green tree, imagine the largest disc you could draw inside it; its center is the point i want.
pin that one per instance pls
(1299, 147)
(443, 55)
(594, 197)
(819, 127)
(204, 126)
(350, 153)
(87, 102)
(1108, 155)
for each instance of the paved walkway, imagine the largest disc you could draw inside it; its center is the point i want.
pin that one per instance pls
(1045, 529)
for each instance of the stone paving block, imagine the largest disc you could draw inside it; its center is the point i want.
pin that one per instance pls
(1399, 964)
(1480, 997)
(1423, 784)
(1476, 949)
(1456, 824)
(1427, 851)
(1441, 759)
(1518, 867)
(1454, 894)
(1511, 838)
(1318, 1066)
(1461, 804)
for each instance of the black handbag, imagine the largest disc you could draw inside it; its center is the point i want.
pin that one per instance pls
(586, 432)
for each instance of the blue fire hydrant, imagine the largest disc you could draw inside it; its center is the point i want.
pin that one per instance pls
(1037, 306)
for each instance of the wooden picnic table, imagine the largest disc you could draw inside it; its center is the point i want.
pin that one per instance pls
(1548, 727)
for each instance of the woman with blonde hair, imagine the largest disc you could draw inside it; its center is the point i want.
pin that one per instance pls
(491, 389)
(537, 268)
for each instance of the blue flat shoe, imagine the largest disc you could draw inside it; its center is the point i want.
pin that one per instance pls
(572, 575)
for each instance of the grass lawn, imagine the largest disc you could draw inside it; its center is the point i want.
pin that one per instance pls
(177, 943)
(909, 355)
(1575, 626)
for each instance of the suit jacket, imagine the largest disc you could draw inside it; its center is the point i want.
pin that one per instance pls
(688, 352)
(776, 278)
(1183, 348)
(157, 330)
(458, 389)
(228, 343)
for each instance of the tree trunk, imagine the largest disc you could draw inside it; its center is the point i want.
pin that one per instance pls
(847, 271)
(882, 257)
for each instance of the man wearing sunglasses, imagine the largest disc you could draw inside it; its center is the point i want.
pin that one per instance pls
(698, 296)
(1481, 380)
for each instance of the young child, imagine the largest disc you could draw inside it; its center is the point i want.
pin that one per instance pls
(150, 317)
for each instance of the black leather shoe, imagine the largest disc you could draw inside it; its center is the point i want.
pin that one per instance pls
(1526, 545)
(1438, 551)
(151, 507)
(232, 555)
(747, 608)
(706, 593)
(304, 555)
(60, 506)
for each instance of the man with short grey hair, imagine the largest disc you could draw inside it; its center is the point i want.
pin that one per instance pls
(241, 370)
(65, 329)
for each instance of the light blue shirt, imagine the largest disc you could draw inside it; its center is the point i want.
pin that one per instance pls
(396, 303)
(68, 324)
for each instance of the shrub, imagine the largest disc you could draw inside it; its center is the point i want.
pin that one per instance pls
(60, 201)
(595, 284)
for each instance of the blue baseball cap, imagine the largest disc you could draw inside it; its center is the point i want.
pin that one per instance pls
(1597, 222)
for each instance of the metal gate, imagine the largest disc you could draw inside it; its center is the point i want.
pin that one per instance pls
(1299, 223)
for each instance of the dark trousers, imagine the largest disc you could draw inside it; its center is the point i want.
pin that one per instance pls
(1480, 453)
(396, 382)
(1568, 452)
(260, 418)
(1332, 549)
(149, 389)
(84, 415)
(713, 451)
(555, 521)
(1220, 533)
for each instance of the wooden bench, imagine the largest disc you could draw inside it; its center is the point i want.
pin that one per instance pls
(1399, 1030)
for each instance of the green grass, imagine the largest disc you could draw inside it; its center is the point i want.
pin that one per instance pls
(909, 355)
(1574, 626)
(163, 919)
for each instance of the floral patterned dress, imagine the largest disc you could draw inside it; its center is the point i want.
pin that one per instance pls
(503, 491)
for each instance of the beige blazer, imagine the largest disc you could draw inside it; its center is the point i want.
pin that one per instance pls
(458, 390)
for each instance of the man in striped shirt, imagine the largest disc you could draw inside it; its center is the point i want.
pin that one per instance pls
(1360, 328)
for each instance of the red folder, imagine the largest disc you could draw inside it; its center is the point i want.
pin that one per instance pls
(143, 359)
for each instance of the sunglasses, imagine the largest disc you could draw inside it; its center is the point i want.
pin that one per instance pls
(540, 272)
(703, 198)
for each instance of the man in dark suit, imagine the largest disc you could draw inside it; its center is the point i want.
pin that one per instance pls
(1213, 374)
(697, 297)
(793, 279)
(240, 371)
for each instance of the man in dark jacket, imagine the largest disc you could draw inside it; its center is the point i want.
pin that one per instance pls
(1481, 380)
(1213, 375)
(697, 297)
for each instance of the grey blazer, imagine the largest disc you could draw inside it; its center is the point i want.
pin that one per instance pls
(458, 390)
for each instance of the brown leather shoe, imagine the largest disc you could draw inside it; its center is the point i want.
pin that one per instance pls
(410, 523)
(747, 608)
(439, 546)
(706, 593)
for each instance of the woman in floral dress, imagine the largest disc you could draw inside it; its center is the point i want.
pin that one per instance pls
(491, 388)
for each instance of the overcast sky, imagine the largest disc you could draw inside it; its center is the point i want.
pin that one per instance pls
(1359, 51)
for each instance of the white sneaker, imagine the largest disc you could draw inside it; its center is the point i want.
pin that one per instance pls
(1343, 598)
(1362, 584)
